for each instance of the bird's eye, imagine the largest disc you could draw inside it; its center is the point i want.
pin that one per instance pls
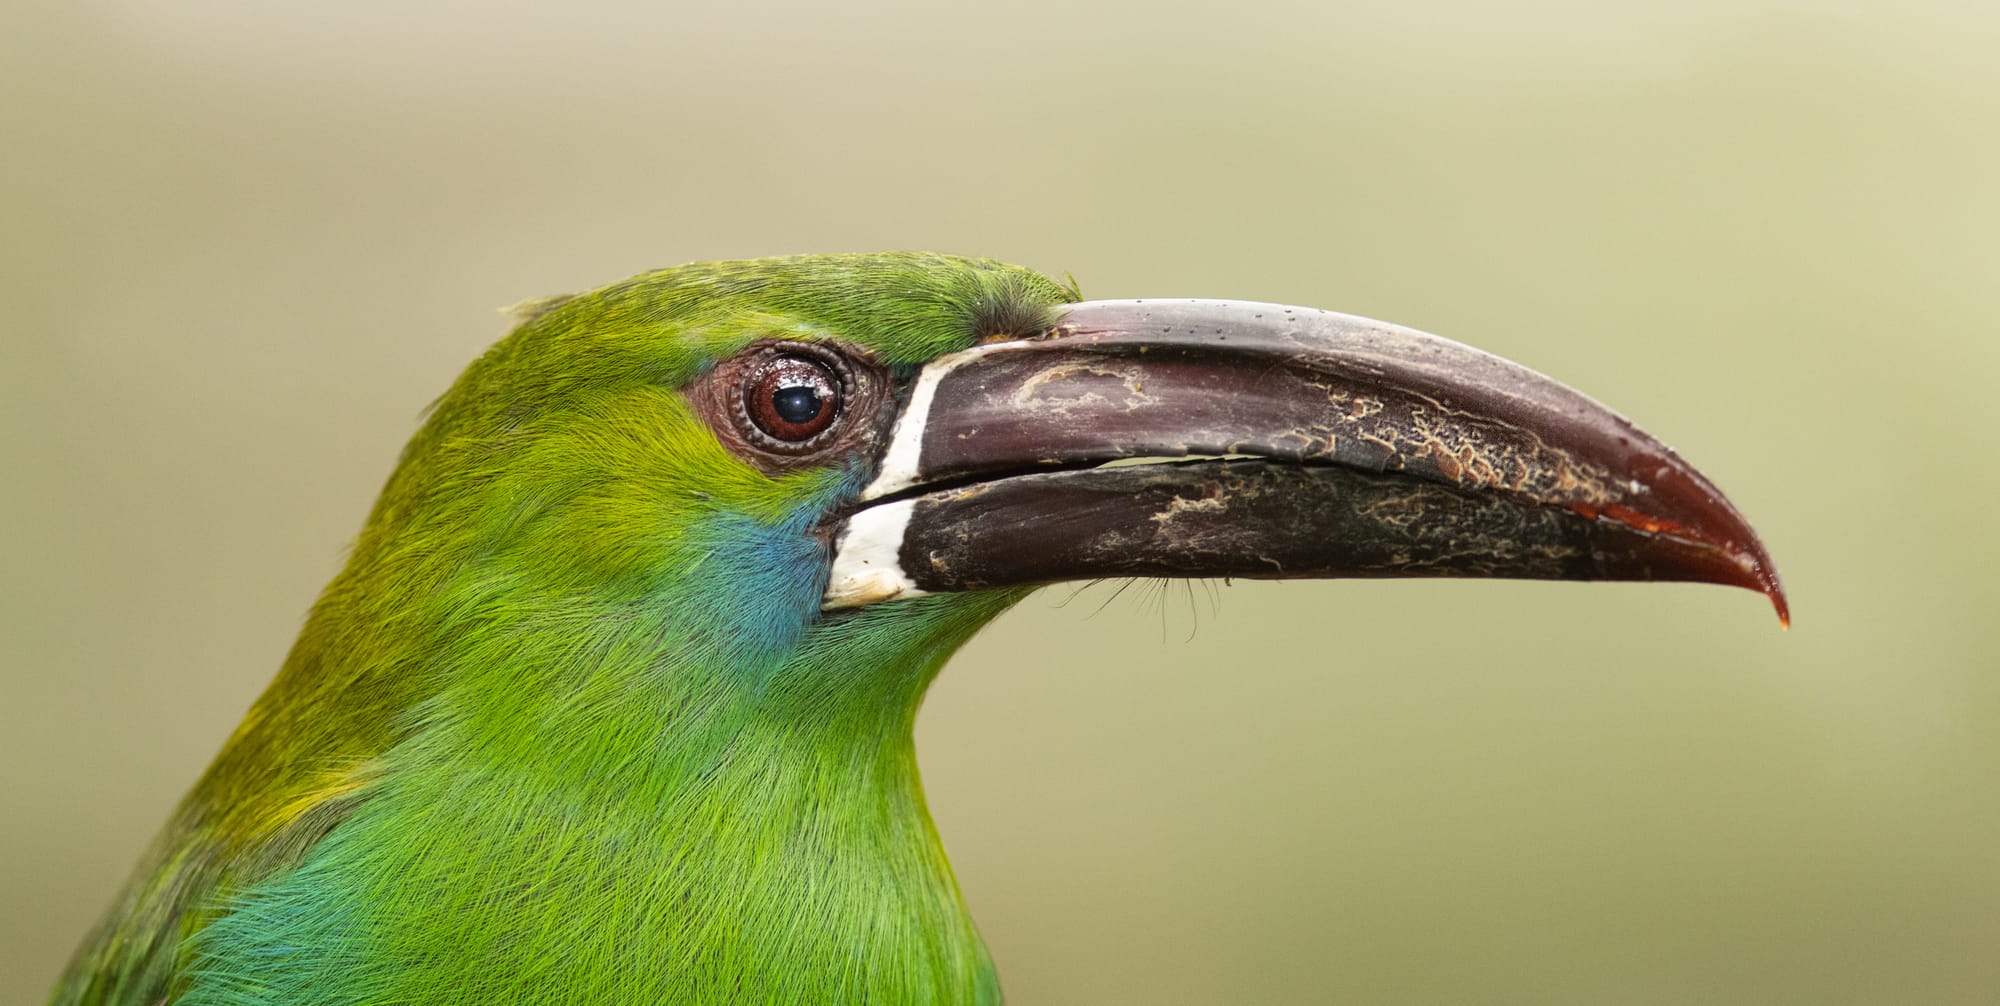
(781, 404)
(792, 397)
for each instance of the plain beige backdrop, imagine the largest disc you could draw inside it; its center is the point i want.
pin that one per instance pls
(242, 244)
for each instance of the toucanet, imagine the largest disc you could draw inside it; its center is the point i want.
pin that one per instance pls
(612, 702)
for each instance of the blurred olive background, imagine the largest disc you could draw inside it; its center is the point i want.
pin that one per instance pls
(246, 243)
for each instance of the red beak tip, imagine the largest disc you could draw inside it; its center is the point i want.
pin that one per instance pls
(1762, 577)
(1776, 593)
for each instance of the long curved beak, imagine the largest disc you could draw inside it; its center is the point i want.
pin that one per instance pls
(1199, 438)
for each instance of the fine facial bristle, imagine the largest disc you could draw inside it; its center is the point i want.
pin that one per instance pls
(1010, 309)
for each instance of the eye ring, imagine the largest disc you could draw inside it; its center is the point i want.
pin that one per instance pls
(791, 397)
(832, 406)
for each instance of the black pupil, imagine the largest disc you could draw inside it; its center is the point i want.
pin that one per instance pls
(796, 403)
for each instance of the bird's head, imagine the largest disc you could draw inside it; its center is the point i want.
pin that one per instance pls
(620, 677)
(785, 470)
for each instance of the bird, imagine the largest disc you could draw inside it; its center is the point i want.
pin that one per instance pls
(613, 699)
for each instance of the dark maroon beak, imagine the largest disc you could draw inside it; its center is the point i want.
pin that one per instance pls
(1278, 442)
